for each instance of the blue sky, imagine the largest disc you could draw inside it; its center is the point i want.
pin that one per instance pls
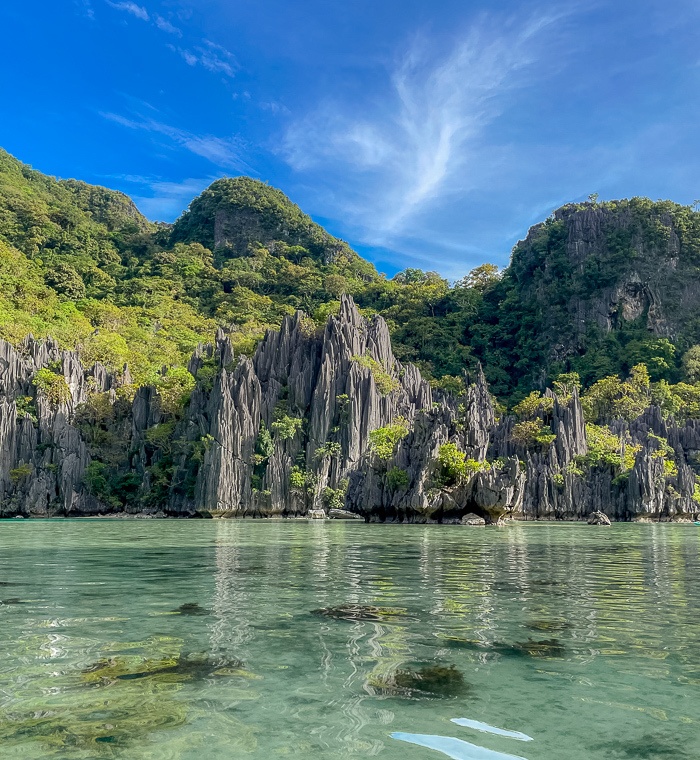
(428, 134)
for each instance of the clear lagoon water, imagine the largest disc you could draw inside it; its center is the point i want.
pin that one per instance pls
(202, 640)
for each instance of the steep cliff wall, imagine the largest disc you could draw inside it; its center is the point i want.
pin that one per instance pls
(44, 457)
(313, 421)
(597, 288)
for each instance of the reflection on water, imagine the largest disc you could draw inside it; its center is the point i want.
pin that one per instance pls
(457, 749)
(224, 639)
(485, 728)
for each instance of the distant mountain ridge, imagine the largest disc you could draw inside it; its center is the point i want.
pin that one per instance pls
(233, 214)
(597, 289)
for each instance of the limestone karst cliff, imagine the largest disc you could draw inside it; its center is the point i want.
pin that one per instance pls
(596, 288)
(313, 421)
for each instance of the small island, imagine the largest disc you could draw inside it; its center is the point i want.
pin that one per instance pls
(563, 386)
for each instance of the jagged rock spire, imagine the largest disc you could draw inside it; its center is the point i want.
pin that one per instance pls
(288, 430)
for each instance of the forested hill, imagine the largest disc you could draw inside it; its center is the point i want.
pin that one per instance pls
(597, 289)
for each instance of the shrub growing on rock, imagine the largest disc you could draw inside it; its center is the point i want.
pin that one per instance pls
(21, 472)
(532, 404)
(53, 386)
(328, 450)
(383, 380)
(174, 389)
(452, 465)
(397, 479)
(287, 427)
(530, 433)
(383, 441)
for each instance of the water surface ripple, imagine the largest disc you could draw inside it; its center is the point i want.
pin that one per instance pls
(224, 639)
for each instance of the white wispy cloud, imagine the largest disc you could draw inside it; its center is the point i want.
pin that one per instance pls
(86, 8)
(419, 140)
(160, 22)
(165, 26)
(223, 152)
(274, 107)
(189, 58)
(134, 179)
(211, 56)
(130, 7)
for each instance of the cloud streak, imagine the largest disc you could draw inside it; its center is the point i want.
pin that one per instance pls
(142, 13)
(86, 7)
(211, 56)
(165, 26)
(402, 154)
(223, 152)
(132, 8)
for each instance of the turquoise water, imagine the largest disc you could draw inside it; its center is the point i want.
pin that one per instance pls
(585, 639)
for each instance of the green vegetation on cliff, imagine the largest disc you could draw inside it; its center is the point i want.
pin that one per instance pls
(597, 290)
(80, 264)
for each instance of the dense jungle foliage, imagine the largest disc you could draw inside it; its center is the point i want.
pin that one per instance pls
(81, 264)
(624, 291)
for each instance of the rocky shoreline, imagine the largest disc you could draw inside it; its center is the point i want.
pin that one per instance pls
(471, 522)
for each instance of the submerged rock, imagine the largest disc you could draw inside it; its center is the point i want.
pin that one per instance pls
(184, 667)
(546, 626)
(74, 722)
(440, 680)
(360, 612)
(544, 648)
(598, 518)
(191, 608)
(433, 680)
(127, 718)
(646, 747)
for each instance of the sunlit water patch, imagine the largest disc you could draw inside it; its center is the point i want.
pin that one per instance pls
(457, 749)
(478, 725)
(227, 639)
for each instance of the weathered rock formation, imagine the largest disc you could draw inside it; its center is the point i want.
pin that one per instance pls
(643, 289)
(586, 282)
(43, 456)
(287, 433)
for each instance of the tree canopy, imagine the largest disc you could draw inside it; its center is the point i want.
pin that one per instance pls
(599, 289)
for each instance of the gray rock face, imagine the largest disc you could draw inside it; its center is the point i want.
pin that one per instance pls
(639, 291)
(598, 518)
(598, 268)
(343, 514)
(287, 433)
(44, 457)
